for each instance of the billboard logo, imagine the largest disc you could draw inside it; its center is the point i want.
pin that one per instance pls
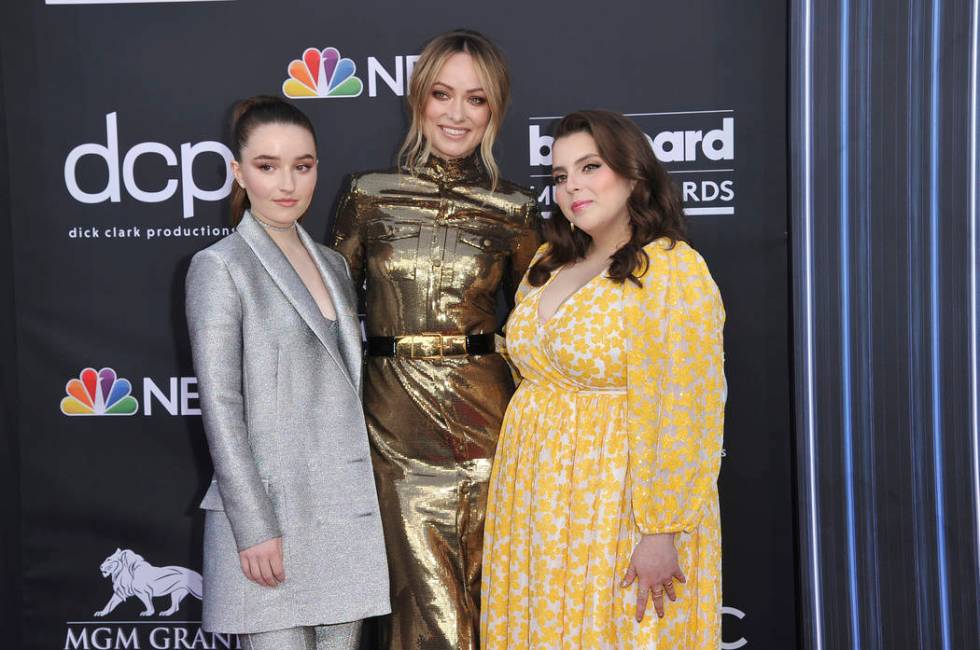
(133, 576)
(99, 393)
(669, 146)
(322, 74)
(696, 147)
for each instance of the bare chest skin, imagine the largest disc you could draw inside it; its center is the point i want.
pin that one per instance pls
(300, 258)
(567, 282)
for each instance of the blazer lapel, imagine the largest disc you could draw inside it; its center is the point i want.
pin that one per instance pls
(349, 326)
(289, 282)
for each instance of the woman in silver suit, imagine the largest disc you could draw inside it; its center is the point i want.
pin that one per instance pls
(293, 551)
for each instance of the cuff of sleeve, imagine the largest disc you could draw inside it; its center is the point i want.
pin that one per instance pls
(666, 527)
(253, 528)
(665, 530)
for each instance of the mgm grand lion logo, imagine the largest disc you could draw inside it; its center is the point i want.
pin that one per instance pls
(133, 576)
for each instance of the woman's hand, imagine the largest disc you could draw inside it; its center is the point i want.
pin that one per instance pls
(654, 568)
(262, 563)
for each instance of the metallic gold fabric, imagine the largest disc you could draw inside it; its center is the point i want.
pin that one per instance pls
(429, 252)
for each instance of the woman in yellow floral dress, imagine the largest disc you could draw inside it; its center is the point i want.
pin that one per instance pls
(603, 497)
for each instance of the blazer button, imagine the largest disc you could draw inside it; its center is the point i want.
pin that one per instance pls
(436, 263)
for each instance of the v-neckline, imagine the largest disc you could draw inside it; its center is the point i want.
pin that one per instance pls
(561, 305)
(316, 267)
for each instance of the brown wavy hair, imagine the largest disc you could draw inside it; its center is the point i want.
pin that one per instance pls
(249, 114)
(654, 206)
(492, 70)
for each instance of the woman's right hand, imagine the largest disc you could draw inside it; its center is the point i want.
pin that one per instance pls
(654, 568)
(262, 563)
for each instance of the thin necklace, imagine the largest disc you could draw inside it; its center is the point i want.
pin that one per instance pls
(271, 226)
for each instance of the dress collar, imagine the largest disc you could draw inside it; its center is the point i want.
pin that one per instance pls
(469, 169)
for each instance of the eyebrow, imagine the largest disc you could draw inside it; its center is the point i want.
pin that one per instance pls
(585, 157)
(276, 158)
(478, 89)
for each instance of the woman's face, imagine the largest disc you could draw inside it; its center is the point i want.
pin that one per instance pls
(590, 194)
(456, 112)
(278, 172)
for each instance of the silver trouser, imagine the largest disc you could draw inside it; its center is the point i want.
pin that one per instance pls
(342, 636)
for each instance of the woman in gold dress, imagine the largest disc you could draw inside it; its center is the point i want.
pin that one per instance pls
(430, 245)
(603, 495)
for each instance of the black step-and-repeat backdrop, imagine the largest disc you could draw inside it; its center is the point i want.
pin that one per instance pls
(116, 118)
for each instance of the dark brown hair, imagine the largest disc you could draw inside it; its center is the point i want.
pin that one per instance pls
(654, 206)
(492, 70)
(249, 114)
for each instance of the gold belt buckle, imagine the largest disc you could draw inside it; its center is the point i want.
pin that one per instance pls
(457, 343)
(420, 346)
(425, 341)
(407, 346)
(431, 345)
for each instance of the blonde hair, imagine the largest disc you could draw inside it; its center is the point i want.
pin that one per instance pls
(492, 70)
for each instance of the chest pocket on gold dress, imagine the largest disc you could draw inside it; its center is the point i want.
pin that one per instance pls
(480, 255)
(392, 247)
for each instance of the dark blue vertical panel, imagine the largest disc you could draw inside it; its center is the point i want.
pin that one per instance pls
(884, 222)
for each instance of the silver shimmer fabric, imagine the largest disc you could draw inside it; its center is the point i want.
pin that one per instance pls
(342, 636)
(280, 399)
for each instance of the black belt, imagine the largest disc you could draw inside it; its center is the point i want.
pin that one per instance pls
(430, 346)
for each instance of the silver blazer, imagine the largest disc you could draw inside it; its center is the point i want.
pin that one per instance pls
(280, 398)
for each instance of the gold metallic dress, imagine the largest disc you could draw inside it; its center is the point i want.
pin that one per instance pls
(429, 252)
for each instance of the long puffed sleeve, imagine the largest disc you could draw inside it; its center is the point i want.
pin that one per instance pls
(214, 320)
(346, 238)
(676, 389)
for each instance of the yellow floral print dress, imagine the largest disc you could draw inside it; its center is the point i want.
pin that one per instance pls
(614, 432)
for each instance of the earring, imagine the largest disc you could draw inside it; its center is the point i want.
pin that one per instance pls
(572, 224)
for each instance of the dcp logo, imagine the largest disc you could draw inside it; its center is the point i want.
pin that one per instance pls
(124, 175)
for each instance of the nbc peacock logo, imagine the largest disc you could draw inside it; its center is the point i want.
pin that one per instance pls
(100, 392)
(322, 74)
